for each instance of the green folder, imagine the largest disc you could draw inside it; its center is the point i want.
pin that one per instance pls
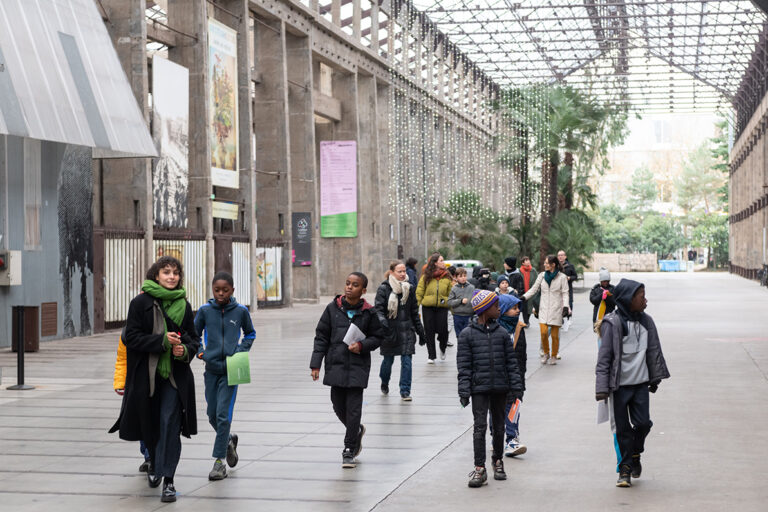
(238, 369)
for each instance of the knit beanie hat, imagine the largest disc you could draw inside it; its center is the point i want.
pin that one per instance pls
(482, 300)
(502, 278)
(507, 302)
(511, 262)
(604, 274)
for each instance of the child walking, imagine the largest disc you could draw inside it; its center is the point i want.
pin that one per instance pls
(121, 365)
(488, 372)
(222, 319)
(509, 309)
(630, 364)
(347, 365)
(460, 301)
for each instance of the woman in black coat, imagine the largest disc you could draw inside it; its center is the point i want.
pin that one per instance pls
(398, 312)
(159, 400)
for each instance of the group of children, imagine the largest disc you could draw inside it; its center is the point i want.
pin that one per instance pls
(491, 362)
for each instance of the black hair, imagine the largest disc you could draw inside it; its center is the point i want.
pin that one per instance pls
(221, 275)
(362, 277)
(552, 260)
(411, 262)
(161, 263)
(452, 270)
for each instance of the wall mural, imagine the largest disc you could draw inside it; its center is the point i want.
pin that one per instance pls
(75, 186)
(170, 127)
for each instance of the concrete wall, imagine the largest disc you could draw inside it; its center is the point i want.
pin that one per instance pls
(60, 269)
(748, 196)
(633, 262)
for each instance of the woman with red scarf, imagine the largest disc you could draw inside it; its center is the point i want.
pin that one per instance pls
(432, 294)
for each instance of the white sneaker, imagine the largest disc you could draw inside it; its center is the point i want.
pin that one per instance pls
(541, 352)
(515, 447)
(442, 355)
(558, 357)
(544, 358)
(552, 361)
(430, 361)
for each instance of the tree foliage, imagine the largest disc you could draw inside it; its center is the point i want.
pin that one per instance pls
(642, 191)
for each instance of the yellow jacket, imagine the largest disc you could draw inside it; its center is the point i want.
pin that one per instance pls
(434, 294)
(121, 365)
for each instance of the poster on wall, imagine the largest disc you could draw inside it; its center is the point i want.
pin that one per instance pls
(223, 120)
(170, 127)
(301, 231)
(268, 272)
(338, 189)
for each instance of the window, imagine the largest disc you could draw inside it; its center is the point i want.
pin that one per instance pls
(32, 193)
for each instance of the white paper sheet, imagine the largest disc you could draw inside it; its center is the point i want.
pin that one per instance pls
(353, 335)
(602, 411)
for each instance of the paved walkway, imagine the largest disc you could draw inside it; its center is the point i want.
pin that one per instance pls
(706, 450)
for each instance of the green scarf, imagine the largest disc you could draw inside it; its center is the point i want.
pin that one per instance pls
(175, 305)
(549, 276)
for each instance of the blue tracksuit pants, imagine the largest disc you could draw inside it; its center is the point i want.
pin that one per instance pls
(221, 404)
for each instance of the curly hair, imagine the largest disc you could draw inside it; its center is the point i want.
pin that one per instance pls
(161, 263)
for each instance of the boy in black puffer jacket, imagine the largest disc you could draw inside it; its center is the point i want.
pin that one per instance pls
(347, 366)
(488, 372)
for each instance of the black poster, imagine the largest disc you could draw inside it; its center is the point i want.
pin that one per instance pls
(302, 239)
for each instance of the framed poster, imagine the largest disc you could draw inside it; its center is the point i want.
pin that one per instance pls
(301, 231)
(223, 120)
(338, 189)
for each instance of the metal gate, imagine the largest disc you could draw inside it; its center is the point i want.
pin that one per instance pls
(241, 271)
(191, 253)
(123, 272)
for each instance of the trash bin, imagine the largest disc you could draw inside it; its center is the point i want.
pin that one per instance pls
(31, 315)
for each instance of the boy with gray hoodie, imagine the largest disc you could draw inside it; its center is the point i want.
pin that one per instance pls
(460, 301)
(630, 364)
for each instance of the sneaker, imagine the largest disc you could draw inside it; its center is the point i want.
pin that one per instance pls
(625, 478)
(637, 468)
(498, 471)
(384, 389)
(430, 361)
(152, 479)
(144, 467)
(348, 458)
(552, 361)
(169, 493)
(478, 477)
(232, 457)
(558, 357)
(219, 471)
(360, 440)
(515, 447)
(544, 358)
(406, 397)
(442, 355)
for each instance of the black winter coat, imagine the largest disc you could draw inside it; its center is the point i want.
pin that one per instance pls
(487, 361)
(344, 368)
(596, 297)
(517, 283)
(143, 345)
(570, 272)
(399, 332)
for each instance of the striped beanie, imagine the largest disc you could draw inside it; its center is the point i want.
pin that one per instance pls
(482, 300)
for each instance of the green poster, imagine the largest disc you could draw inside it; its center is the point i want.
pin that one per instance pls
(341, 225)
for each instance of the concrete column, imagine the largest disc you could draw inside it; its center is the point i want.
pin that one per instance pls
(271, 127)
(417, 69)
(375, 26)
(191, 17)
(336, 12)
(441, 72)
(356, 19)
(302, 150)
(127, 183)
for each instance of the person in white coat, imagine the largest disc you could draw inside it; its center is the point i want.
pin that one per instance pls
(553, 306)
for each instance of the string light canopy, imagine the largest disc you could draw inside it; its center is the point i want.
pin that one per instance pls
(656, 55)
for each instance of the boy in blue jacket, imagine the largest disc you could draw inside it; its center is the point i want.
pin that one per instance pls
(222, 319)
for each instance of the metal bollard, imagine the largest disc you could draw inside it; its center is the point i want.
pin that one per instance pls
(20, 352)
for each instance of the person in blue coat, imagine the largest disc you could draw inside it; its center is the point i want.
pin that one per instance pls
(222, 320)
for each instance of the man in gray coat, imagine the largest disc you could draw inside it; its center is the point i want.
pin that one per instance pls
(630, 364)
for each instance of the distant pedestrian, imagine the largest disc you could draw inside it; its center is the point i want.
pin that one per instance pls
(570, 272)
(484, 281)
(159, 400)
(398, 314)
(222, 319)
(553, 306)
(602, 291)
(514, 275)
(509, 309)
(347, 360)
(529, 277)
(488, 373)
(432, 294)
(630, 364)
(413, 274)
(460, 301)
(503, 287)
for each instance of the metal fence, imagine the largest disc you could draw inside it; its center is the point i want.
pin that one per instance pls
(123, 272)
(241, 271)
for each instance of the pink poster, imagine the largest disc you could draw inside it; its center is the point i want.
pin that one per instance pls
(338, 189)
